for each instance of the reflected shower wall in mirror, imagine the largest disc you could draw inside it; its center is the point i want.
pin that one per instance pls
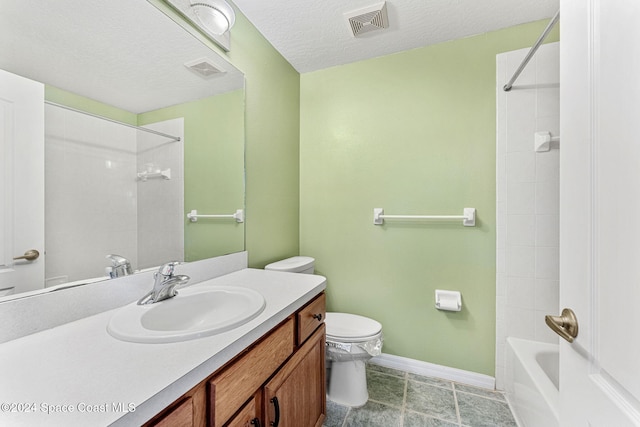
(129, 62)
(105, 187)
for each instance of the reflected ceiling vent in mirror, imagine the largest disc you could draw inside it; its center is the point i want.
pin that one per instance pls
(213, 17)
(365, 20)
(204, 67)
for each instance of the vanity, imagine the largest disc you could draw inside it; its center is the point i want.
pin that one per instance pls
(277, 381)
(268, 371)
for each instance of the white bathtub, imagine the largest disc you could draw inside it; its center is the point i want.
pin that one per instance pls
(531, 382)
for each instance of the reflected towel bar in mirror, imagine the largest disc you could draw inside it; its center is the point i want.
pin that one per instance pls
(238, 215)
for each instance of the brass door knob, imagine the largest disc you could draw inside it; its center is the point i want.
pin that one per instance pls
(565, 325)
(30, 255)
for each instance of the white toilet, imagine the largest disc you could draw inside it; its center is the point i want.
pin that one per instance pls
(351, 341)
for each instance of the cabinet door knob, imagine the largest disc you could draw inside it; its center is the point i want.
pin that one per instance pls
(318, 317)
(255, 422)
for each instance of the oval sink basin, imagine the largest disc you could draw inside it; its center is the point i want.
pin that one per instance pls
(193, 313)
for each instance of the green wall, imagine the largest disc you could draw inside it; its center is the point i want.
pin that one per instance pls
(272, 146)
(413, 133)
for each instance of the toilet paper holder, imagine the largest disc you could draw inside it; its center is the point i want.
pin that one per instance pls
(448, 300)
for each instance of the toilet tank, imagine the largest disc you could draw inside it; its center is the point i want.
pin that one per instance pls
(296, 264)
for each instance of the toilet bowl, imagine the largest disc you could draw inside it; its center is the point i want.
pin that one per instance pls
(351, 341)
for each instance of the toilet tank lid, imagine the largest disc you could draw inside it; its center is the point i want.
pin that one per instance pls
(294, 264)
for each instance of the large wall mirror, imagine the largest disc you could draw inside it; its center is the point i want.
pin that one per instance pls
(109, 185)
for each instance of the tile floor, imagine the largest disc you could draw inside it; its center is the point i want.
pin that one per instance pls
(402, 399)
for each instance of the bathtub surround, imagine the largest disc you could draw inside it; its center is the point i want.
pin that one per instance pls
(527, 201)
(413, 132)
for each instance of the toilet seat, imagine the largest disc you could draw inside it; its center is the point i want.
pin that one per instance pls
(346, 327)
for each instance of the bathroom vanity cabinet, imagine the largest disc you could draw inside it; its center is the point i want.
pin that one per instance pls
(278, 381)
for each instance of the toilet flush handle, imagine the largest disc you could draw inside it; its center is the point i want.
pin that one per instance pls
(318, 317)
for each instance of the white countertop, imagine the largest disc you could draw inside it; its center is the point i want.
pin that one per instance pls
(81, 369)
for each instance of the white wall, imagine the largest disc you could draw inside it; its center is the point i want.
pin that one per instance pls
(527, 182)
(94, 201)
(90, 195)
(161, 214)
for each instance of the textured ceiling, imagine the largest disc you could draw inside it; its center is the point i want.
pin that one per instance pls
(313, 34)
(121, 52)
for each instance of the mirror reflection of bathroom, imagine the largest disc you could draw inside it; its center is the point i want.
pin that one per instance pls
(123, 152)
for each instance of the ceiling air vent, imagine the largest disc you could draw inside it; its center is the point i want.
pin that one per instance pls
(368, 19)
(204, 67)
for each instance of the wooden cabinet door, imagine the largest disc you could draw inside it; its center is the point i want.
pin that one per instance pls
(188, 411)
(182, 416)
(295, 396)
(249, 415)
(229, 389)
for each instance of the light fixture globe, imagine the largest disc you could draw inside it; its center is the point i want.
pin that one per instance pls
(215, 16)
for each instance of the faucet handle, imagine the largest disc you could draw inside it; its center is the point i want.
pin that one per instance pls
(168, 268)
(120, 266)
(117, 260)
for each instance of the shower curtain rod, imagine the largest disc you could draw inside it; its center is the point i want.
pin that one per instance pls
(532, 51)
(155, 132)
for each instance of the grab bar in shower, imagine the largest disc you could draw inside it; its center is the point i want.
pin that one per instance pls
(238, 216)
(468, 217)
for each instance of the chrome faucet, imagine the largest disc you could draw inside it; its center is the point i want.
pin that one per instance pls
(120, 266)
(164, 285)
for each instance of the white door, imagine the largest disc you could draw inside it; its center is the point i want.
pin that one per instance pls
(599, 207)
(21, 183)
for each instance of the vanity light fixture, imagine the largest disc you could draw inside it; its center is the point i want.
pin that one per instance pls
(214, 16)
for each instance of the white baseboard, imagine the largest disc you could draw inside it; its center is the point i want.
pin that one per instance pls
(432, 370)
